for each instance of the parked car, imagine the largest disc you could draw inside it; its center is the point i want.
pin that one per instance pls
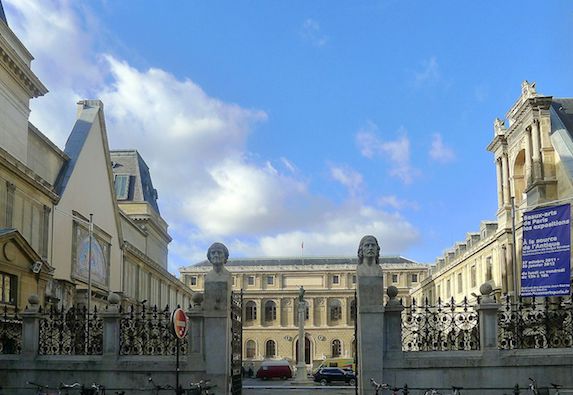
(274, 368)
(328, 375)
(344, 363)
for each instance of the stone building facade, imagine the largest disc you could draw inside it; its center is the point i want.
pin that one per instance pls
(532, 157)
(271, 288)
(47, 195)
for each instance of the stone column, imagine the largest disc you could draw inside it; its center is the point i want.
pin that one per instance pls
(505, 177)
(301, 376)
(393, 322)
(111, 322)
(279, 304)
(536, 154)
(261, 308)
(499, 183)
(31, 328)
(310, 302)
(528, 164)
(487, 310)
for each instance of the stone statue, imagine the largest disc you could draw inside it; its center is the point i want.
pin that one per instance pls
(528, 89)
(301, 294)
(218, 254)
(369, 257)
(499, 126)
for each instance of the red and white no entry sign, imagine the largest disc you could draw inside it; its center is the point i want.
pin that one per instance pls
(179, 322)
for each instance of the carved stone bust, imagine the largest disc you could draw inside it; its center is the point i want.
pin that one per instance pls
(218, 254)
(369, 257)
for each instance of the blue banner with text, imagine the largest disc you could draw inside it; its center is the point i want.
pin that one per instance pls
(546, 252)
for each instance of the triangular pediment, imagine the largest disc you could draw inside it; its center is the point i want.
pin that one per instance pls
(15, 250)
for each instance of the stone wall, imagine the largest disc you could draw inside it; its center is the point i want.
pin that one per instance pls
(108, 366)
(485, 370)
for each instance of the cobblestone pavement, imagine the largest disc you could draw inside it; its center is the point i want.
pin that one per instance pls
(280, 387)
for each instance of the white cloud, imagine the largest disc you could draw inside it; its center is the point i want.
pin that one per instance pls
(338, 234)
(439, 151)
(348, 177)
(210, 188)
(429, 74)
(311, 32)
(396, 203)
(397, 152)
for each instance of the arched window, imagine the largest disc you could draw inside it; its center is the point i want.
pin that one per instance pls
(335, 310)
(336, 348)
(250, 311)
(353, 309)
(270, 349)
(270, 311)
(251, 348)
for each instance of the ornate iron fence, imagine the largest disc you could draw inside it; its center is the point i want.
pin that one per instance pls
(535, 323)
(147, 331)
(443, 327)
(10, 332)
(236, 342)
(71, 332)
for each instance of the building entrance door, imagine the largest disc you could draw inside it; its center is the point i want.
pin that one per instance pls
(306, 351)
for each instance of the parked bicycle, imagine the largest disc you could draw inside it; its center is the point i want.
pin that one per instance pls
(202, 387)
(157, 388)
(383, 386)
(455, 391)
(42, 389)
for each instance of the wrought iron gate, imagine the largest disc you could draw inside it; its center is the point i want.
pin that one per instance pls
(354, 314)
(236, 342)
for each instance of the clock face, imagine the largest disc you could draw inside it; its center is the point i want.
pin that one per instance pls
(97, 261)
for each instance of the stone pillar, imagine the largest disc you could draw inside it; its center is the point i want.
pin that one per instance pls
(217, 320)
(278, 321)
(536, 154)
(370, 288)
(487, 310)
(528, 162)
(31, 328)
(393, 322)
(499, 183)
(195, 315)
(111, 323)
(260, 311)
(505, 178)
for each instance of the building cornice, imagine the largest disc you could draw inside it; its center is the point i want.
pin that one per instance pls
(19, 70)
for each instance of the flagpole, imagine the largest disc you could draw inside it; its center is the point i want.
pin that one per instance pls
(302, 252)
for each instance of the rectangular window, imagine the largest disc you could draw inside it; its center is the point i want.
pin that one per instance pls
(9, 284)
(270, 280)
(473, 275)
(448, 289)
(336, 279)
(250, 280)
(354, 279)
(488, 269)
(460, 283)
(193, 280)
(414, 278)
(395, 278)
(122, 186)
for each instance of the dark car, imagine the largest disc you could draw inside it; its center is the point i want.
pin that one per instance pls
(330, 375)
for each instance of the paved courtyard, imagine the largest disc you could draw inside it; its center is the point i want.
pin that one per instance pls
(280, 387)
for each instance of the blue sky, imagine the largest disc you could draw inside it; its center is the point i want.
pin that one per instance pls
(269, 123)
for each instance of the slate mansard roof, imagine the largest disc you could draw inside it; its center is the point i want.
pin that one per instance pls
(291, 262)
(139, 187)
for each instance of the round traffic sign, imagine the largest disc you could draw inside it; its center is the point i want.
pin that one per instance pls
(179, 323)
